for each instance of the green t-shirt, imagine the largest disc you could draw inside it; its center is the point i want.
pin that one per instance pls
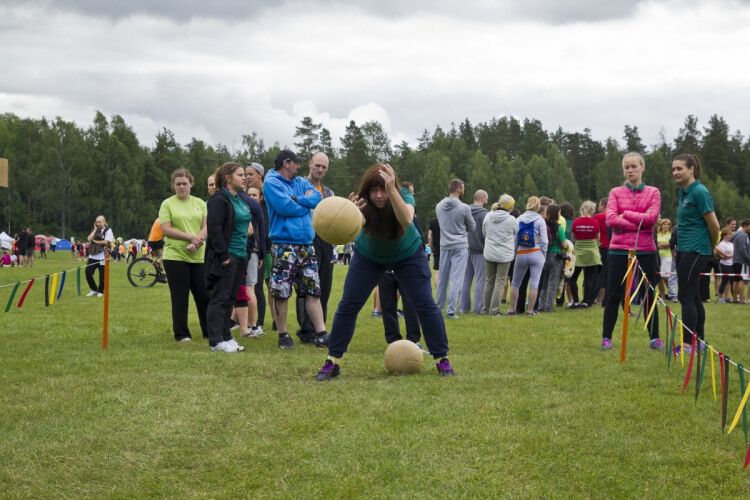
(555, 245)
(242, 218)
(692, 230)
(186, 216)
(383, 251)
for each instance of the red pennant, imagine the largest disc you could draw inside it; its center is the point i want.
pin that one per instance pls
(747, 458)
(690, 365)
(25, 292)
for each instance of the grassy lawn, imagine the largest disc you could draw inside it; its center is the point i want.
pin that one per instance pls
(536, 409)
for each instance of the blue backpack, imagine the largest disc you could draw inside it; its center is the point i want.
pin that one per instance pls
(526, 234)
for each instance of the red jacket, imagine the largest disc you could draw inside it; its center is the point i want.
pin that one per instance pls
(626, 209)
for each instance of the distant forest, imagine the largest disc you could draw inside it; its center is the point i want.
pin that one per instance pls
(62, 175)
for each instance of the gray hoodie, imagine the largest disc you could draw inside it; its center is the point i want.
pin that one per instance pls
(455, 222)
(500, 230)
(741, 249)
(540, 229)
(476, 238)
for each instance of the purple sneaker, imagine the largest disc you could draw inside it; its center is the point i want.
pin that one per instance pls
(688, 349)
(607, 345)
(444, 368)
(657, 345)
(329, 370)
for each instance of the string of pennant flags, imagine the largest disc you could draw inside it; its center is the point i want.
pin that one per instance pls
(697, 348)
(52, 291)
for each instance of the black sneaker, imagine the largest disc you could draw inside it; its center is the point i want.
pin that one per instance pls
(286, 342)
(444, 368)
(305, 337)
(321, 340)
(329, 370)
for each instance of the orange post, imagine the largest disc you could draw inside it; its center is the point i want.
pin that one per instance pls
(629, 285)
(105, 333)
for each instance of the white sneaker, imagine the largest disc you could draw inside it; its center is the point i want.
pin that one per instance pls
(225, 346)
(91, 293)
(99, 294)
(235, 344)
(258, 330)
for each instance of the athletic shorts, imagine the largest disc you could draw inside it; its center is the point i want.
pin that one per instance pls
(156, 245)
(30, 252)
(251, 278)
(297, 266)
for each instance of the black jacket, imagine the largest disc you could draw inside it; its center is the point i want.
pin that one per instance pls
(219, 224)
(259, 228)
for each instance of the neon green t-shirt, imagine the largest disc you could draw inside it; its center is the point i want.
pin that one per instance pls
(186, 216)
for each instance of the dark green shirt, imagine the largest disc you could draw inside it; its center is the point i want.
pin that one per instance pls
(387, 252)
(242, 218)
(692, 230)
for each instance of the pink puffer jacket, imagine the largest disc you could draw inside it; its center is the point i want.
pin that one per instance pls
(633, 206)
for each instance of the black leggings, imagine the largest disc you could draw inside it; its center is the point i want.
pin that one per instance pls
(689, 268)
(260, 295)
(91, 267)
(617, 269)
(726, 280)
(183, 279)
(591, 290)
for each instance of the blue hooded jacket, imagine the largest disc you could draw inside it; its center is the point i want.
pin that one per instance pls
(290, 220)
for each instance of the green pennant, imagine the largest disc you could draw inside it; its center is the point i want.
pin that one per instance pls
(744, 410)
(671, 341)
(78, 280)
(700, 377)
(724, 397)
(12, 296)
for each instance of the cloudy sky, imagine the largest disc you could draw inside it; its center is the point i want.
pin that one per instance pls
(217, 70)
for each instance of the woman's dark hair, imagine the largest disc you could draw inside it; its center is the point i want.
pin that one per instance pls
(381, 223)
(220, 177)
(691, 161)
(551, 218)
(515, 212)
(567, 211)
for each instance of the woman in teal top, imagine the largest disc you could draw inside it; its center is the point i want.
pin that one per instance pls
(388, 241)
(697, 236)
(228, 224)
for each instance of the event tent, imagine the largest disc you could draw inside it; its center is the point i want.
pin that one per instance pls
(6, 241)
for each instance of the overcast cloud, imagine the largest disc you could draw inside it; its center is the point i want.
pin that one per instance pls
(216, 72)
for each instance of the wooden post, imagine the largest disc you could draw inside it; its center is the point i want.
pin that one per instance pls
(105, 333)
(629, 285)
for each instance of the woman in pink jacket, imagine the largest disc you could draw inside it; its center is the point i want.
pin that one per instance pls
(632, 212)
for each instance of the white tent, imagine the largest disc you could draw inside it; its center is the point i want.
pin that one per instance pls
(6, 241)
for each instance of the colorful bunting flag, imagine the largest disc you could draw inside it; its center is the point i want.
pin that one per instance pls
(25, 292)
(690, 364)
(12, 296)
(62, 284)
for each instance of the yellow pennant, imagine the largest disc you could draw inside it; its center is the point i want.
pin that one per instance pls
(653, 308)
(635, 293)
(713, 374)
(630, 267)
(739, 410)
(53, 288)
(682, 349)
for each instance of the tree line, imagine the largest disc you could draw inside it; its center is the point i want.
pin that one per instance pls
(63, 175)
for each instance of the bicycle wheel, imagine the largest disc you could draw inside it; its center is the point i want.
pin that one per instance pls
(142, 273)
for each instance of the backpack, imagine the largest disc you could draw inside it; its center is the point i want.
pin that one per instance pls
(526, 234)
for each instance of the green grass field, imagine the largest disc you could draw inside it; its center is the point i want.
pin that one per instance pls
(536, 409)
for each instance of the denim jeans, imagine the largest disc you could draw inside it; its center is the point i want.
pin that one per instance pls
(414, 275)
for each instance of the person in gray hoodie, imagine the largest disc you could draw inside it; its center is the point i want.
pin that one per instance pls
(531, 252)
(475, 269)
(500, 230)
(456, 223)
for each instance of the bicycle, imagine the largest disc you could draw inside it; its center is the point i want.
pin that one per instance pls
(144, 272)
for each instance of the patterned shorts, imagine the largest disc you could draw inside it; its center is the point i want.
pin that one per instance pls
(294, 265)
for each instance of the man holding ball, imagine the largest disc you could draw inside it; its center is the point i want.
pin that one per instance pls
(290, 200)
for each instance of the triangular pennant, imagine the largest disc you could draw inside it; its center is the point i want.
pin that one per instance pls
(12, 296)
(690, 364)
(26, 292)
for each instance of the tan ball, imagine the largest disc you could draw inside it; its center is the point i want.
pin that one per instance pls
(403, 356)
(337, 220)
